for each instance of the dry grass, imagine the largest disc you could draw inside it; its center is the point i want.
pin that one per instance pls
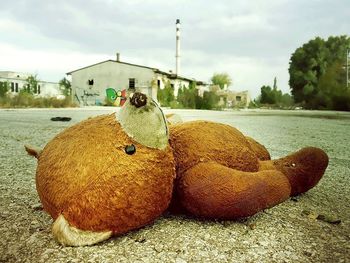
(26, 100)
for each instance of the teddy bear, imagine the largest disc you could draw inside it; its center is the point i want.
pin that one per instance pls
(118, 172)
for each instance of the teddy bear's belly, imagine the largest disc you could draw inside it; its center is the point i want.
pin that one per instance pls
(202, 141)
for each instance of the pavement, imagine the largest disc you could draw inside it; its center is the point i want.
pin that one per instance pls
(293, 231)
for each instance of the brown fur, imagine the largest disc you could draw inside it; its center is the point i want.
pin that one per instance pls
(85, 174)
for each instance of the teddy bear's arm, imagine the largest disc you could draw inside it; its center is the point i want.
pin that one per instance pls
(211, 190)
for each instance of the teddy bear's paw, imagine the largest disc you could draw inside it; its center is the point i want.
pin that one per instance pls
(69, 235)
(303, 168)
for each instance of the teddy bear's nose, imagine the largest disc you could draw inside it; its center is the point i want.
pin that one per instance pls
(138, 99)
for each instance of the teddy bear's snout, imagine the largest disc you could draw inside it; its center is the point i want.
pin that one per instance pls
(138, 99)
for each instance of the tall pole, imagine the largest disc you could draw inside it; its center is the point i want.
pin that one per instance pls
(347, 67)
(177, 55)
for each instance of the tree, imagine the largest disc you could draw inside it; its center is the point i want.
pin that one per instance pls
(4, 87)
(221, 79)
(266, 95)
(65, 87)
(187, 97)
(166, 96)
(332, 91)
(209, 101)
(309, 63)
(274, 96)
(31, 85)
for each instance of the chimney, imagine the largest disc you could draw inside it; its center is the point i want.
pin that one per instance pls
(118, 57)
(177, 55)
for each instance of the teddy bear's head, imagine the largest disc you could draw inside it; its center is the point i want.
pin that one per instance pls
(108, 174)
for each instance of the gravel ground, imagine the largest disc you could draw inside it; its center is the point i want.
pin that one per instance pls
(285, 233)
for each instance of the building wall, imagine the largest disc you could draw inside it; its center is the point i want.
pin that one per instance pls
(18, 81)
(239, 99)
(233, 99)
(109, 74)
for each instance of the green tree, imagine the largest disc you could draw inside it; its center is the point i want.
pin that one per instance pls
(267, 96)
(31, 84)
(166, 96)
(4, 88)
(209, 101)
(221, 79)
(309, 63)
(286, 100)
(332, 92)
(65, 87)
(274, 96)
(187, 97)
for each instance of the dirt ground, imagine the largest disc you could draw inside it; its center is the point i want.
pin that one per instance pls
(289, 232)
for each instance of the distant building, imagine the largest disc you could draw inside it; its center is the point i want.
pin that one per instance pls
(18, 81)
(232, 99)
(90, 83)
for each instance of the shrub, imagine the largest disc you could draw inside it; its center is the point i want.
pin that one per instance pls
(27, 100)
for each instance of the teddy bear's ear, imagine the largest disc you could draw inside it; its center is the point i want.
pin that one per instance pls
(144, 121)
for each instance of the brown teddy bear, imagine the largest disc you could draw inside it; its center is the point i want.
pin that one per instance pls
(114, 173)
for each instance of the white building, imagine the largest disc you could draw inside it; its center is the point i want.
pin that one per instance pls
(89, 84)
(18, 81)
(231, 98)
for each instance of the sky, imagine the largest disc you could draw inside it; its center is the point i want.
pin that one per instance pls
(252, 41)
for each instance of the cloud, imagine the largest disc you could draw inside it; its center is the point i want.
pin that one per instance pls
(251, 40)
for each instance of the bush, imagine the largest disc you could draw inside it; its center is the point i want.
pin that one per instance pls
(27, 100)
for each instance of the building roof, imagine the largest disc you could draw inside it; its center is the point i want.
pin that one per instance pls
(168, 74)
(110, 60)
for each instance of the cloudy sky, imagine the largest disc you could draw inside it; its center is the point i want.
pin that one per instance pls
(250, 40)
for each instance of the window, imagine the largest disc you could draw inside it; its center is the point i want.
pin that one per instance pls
(35, 89)
(12, 87)
(16, 87)
(172, 86)
(238, 98)
(131, 83)
(158, 83)
(39, 89)
(91, 82)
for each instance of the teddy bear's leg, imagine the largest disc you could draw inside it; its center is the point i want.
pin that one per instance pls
(211, 190)
(259, 149)
(303, 168)
(69, 235)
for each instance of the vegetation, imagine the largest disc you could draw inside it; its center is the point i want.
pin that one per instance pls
(187, 98)
(26, 98)
(65, 87)
(221, 79)
(273, 97)
(4, 88)
(32, 84)
(166, 96)
(317, 76)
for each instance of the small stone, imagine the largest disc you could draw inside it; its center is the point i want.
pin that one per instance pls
(295, 199)
(37, 207)
(180, 260)
(329, 219)
(252, 226)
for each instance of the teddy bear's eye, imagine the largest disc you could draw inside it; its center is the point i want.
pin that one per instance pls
(130, 149)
